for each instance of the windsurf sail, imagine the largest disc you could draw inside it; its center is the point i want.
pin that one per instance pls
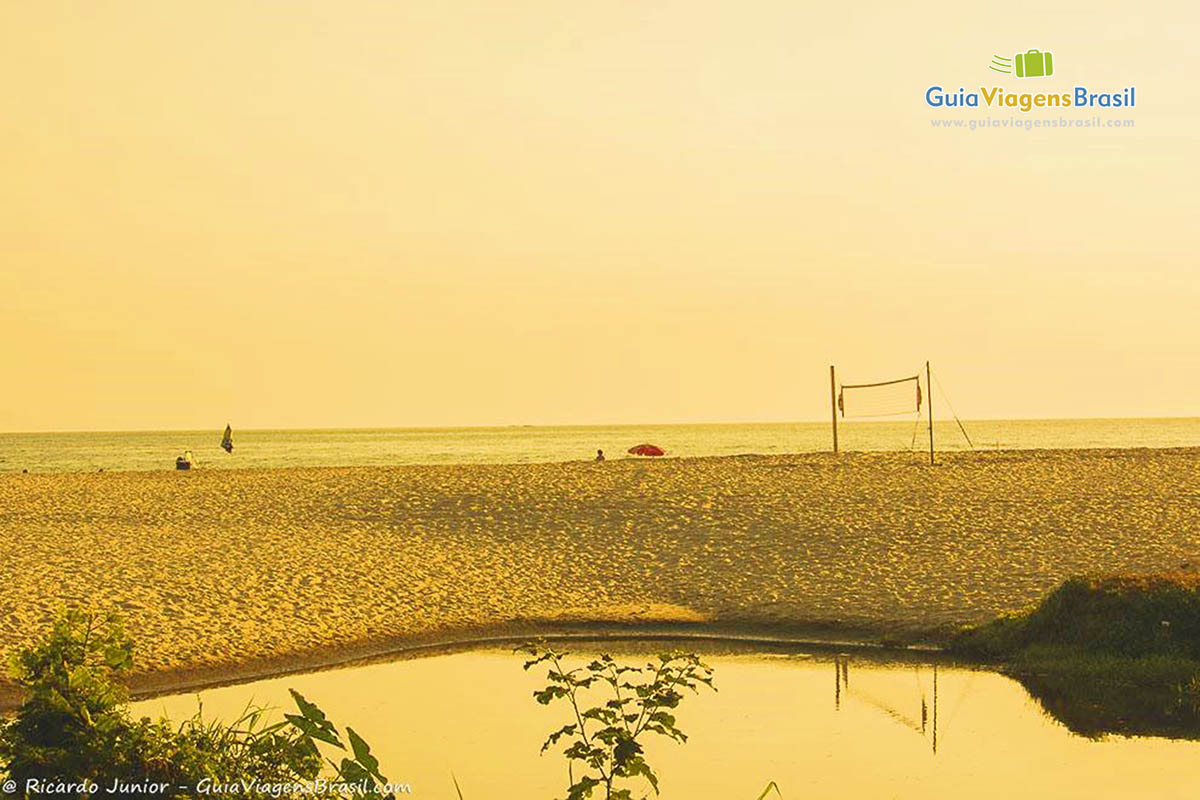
(227, 440)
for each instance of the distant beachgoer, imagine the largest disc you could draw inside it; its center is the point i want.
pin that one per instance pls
(599, 455)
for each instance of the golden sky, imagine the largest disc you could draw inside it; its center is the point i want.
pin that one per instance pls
(357, 213)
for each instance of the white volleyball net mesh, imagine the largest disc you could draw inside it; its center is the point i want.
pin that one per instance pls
(895, 398)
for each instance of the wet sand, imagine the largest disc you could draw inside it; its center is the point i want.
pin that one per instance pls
(231, 573)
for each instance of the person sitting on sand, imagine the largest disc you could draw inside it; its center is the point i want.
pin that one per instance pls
(599, 455)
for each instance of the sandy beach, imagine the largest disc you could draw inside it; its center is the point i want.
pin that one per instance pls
(229, 573)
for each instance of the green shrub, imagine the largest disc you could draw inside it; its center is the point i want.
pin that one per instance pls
(1123, 615)
(604, 741)
(74, 728)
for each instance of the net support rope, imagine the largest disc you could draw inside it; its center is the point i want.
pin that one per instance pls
(951, 407)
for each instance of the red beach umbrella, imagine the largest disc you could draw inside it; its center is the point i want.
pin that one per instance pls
(647, 450)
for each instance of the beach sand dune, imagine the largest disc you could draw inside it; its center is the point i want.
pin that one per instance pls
(227, 570)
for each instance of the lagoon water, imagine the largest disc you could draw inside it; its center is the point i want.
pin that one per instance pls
(781, 716)
(152, 450)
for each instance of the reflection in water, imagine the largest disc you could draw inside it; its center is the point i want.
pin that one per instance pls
(1096, 708)
(1090, 708)
(924, 727)
(472, 714)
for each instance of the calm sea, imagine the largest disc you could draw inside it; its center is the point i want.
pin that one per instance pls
(148, 450)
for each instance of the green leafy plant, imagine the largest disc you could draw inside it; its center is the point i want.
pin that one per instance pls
(359, 768)
(74, 729)
(614, 707)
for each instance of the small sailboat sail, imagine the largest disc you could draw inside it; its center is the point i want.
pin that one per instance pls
(227, 440)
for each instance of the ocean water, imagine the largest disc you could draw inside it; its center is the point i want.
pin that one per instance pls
(151, 450)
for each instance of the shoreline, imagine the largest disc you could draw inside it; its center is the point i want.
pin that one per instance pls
(981, 452)
(235, 574)
(805, 638)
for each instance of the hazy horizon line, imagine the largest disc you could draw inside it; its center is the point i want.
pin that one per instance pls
(502, 426)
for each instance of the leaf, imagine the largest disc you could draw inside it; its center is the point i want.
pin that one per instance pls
(667, 720)
(578, 751)
(673, 733)
(638, 766)
(313, 731)
(582, 788)
(118, 656)
(362, 754)
(318, 727)
(538, 660)
(353, 772)
(549, 693)
(610, 735)
(605, 715)
(565, 730)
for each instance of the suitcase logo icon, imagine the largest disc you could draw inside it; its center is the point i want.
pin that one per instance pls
(1033, 64)
(1030, 64)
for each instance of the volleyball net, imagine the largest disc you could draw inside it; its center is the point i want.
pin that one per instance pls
(894, 398)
